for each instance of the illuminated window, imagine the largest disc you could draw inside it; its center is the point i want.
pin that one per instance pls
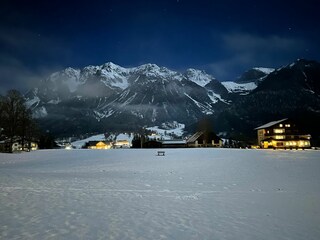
(287, 125)
(278, 130)
(280, 125)
(279, 137)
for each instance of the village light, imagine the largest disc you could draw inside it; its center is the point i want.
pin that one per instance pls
(278, 130)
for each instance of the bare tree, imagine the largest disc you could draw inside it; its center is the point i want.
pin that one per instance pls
(15, 117)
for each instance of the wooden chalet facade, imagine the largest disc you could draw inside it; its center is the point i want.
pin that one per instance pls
(204, 139)
(283, 134)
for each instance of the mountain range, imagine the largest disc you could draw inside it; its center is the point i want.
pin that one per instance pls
(113, 98)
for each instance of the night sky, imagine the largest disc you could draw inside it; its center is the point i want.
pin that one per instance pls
(224, 38)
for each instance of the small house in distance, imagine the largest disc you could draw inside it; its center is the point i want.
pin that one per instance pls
(204, 139)
(283, 134)
(17, 145)
(98, 145)
(122, 144)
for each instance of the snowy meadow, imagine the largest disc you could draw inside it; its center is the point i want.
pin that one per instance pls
(186, 194)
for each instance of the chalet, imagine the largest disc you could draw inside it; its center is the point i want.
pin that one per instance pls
(122, 144)
(204, 139)
(284, 134)
(98, 145)
(17, 146)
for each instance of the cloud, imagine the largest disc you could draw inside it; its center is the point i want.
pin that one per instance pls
(26, 58)
(245, 51)
(15, 75)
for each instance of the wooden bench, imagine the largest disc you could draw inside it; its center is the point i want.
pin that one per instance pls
(161, 153)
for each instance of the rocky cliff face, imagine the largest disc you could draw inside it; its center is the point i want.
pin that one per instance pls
(110, 97)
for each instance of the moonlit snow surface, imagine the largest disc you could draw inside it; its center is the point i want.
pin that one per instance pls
(186, 194)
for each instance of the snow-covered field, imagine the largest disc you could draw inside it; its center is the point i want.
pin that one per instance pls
(186, 194)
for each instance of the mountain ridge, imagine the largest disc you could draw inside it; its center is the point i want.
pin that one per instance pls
(109, 96)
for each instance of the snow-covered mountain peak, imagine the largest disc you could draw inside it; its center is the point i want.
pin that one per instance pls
(109, 66)
(148, 67)
(199, 77)
(68, 76)
(154, 71)
(65, 73)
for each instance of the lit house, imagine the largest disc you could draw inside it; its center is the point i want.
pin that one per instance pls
(204, 139)
(122, 144)
(98, 145)
(282, 134)
(17, 146)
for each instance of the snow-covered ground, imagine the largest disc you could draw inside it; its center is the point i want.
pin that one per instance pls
(186, 194)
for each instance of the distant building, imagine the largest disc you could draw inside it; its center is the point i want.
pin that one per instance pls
(204, 139)
(174, 143)
(122, 144)
(284, 134)
(17, 146)
(98, 145)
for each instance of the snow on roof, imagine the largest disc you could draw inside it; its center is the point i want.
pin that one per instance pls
(270, 124)
(194, 137)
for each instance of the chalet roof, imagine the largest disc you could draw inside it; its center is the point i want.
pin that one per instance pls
(197, 135)
(270, 124)
(194, 137)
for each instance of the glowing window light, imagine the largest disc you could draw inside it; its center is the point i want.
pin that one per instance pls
(279, 137)
(287, 125)
(278, 130)
(280, 125)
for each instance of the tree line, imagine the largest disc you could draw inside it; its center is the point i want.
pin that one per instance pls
(16, 122)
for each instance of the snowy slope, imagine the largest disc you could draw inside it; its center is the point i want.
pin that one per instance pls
(101, 137)
(234, 87)
(264, 70)
(80, 143)
(166, 133)
(186, 194)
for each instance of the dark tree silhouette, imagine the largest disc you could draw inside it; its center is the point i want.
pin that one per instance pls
(16, 119)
